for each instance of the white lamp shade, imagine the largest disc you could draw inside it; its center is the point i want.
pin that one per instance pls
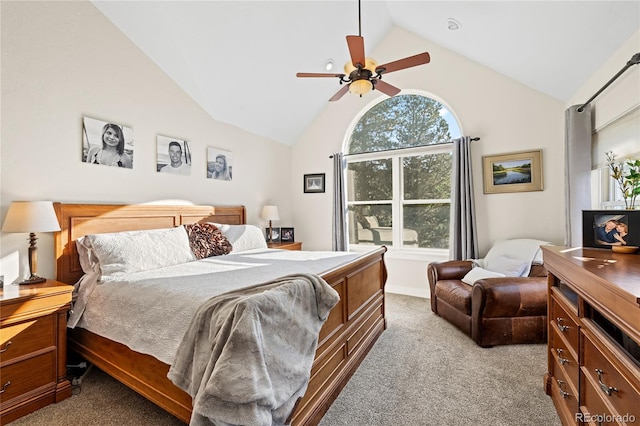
(31, 216)
(270, 213)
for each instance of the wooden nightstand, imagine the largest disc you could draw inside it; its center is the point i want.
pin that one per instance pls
(33, 347)
(286, 246)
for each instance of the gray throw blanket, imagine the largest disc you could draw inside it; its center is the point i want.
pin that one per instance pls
(247, 355)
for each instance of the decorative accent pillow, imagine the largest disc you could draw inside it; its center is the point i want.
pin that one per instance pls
(134, 251)
(243, 237)
(507, 266)
(207, 240)
(478, 273)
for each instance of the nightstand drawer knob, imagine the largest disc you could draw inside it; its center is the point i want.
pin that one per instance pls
(5, 347)
(4, 387)
(605, 388)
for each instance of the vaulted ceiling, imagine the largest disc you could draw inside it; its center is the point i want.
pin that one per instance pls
(238, 59)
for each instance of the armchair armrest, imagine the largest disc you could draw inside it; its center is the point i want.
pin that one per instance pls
(446, 270)
(509, 297)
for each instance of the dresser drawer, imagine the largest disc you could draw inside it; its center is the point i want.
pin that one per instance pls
(604, 385)
(21, 377)
(26, 337)
(564, 357)
(563, 393)
(564, 323)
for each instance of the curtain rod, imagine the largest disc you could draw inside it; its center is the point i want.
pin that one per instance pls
(635, 60)
(346, 155)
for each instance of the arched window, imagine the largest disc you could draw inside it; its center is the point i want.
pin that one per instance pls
(399, 174)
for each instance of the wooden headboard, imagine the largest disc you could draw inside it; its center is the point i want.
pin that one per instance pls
(77, 220)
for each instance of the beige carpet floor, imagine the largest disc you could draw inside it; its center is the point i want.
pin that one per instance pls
(422, 371)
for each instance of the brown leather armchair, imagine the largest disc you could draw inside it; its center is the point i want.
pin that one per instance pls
(494, 311)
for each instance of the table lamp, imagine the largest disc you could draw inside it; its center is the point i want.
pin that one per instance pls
(31, 217)
(270, 213)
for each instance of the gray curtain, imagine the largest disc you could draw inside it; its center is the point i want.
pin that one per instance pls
(339, 242)
(577, 169)
(464, 239)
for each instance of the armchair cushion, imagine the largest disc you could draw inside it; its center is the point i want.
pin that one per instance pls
(478, 273)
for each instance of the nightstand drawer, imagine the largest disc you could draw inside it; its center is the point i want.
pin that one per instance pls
(26, 337)
(22, 377)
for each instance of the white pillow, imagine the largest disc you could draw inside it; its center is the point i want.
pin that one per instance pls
(478, 273)
(527, 249)
(243, 237)
(134, 251)
(505, 265)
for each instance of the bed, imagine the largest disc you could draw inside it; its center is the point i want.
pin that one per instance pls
(350, 331)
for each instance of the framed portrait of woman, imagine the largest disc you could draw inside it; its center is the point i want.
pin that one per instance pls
(107, 143)
(219, 164)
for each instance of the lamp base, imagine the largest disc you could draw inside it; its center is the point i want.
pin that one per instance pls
(33, 279)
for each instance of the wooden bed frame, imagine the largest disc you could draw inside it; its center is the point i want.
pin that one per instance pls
(345, 339)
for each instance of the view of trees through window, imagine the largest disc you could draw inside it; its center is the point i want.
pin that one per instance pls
(399, 174)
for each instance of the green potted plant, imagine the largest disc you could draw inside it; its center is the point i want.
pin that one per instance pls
(627, 176)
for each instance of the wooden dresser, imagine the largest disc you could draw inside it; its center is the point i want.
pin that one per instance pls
(594, 335)
(33, 342)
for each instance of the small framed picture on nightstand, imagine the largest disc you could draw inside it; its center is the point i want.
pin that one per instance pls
(275, 235)
(286, 235)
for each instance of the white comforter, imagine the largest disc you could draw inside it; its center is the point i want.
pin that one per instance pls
(150, 311)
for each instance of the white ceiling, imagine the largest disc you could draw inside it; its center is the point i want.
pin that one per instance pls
(238, 59)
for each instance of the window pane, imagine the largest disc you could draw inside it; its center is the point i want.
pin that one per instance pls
(370, 180)
(403, 121)
(431, 222)
(427, 177)
(370, 224)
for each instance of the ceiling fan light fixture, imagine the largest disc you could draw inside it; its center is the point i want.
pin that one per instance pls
(349, 68)
(360, 87)
(371, 65)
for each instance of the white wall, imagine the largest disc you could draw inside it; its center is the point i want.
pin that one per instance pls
(506, 115)
(64, 60)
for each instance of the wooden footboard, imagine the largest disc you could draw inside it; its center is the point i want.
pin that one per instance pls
(347, 336)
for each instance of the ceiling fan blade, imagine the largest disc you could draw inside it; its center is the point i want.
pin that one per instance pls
(340, 93)
(386, 88)
(400, 64)
(318, 74)
(356, 49)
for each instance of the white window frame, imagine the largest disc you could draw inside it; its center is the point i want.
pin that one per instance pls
(397, 202)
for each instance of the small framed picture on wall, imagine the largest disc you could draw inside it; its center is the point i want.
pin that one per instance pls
(106, 143)
(219, 164)
(174, 156)
(314, 183)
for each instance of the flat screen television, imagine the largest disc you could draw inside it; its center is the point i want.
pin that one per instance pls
(606, 228)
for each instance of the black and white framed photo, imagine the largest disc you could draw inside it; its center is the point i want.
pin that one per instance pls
(275, 235)
(286, 235)
(106, 143)
(219, 164)
(314, 183)
(173, 156)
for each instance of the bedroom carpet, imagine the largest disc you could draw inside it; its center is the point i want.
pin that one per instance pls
(422, 371)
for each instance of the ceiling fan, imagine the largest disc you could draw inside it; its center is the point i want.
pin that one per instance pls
(364, 74)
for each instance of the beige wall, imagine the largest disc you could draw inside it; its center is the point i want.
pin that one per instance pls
(507, 116)
(64, 60)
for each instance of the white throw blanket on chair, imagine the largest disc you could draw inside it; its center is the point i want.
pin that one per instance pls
(504, 254)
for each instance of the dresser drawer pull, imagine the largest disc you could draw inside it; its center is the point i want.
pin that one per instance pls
(562, 392)
(4, 387)
(606, 389)
(560, 326)
(561, 360)
(5, 347)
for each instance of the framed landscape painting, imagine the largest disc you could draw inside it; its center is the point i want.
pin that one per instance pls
(513, 172)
